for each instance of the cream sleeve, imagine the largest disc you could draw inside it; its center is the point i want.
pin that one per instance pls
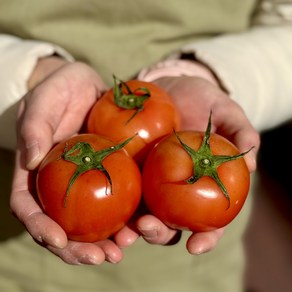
(255, 67)
(18, 58)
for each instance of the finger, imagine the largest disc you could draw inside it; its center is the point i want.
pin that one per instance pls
(35, 144)
(76, 253)
(155, 232)
(231, 122)
(126, 237)
(41, 227)
(25, 208)
(248, 139)
(54, 107)
(45, 108)
(113, 253)
(203, 242)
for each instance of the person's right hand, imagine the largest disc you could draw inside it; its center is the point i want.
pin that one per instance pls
(54, 109)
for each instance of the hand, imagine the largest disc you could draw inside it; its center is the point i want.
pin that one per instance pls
(195, 97)
(61, 95)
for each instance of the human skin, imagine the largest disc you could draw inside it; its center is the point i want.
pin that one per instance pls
(53, 105)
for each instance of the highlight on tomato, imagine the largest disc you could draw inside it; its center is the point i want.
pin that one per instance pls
(134, 107)
(90, 186)
(195, 181)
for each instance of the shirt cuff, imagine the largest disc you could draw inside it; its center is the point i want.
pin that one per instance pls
(176, 68)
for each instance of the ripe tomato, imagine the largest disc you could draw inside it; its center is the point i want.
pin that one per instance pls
(195, 181)
(89, 186)
(134, 107)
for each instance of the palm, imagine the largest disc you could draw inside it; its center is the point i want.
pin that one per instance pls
(194, 97)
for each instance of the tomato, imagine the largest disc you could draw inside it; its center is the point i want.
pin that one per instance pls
(195, 181)
(89, 186)
(134, 107)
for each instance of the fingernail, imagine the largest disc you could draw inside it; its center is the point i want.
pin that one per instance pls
(112, 260)
(33, 153)
(53, 241)
(88, 260)
(149, 233)
(198, 250)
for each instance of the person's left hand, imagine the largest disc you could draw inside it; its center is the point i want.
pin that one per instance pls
(195, 97)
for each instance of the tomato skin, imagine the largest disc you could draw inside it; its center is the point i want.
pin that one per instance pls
(197, 207)
(91, 212)
(158, 118)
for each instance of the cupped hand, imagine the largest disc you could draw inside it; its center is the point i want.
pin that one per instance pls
(54, 109)
(195, 97)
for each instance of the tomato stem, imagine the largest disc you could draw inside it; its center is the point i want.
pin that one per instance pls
(130, 99)
(205, 163)
(86, 158)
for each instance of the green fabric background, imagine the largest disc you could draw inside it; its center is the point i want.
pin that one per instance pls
(123, 36)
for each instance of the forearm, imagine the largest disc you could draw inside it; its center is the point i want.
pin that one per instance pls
(44, 67)
(19, 59)
(253, 67)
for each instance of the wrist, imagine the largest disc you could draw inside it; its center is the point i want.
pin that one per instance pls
(176, 68)
(44, 67)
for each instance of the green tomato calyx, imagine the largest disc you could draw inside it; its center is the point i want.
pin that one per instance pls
(129, 99)
(86, 158)
(205, 163)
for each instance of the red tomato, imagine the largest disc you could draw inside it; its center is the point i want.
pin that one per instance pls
(134, 107)
(91, 188)
(179, 181)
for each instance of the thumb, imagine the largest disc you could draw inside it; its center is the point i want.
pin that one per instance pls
(36, 151)
(35, 137)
